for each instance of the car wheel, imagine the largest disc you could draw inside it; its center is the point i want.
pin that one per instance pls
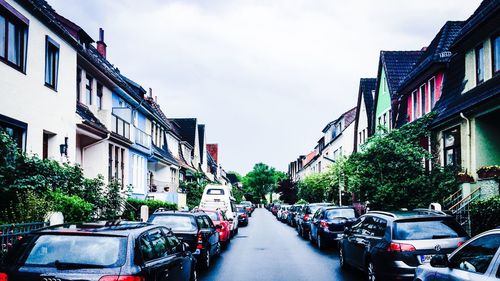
(370, 271)
(206, 260)
(310, 237)
(343, 263)
(219, 247)
(194, 275)
(319, 242)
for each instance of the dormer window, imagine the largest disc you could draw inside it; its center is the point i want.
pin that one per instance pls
(479, 51)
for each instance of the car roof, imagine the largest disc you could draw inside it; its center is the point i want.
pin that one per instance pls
(337, 208)
(179, 213)
(409, 215)
(123, 228)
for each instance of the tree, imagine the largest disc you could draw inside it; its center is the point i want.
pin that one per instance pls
(288, 191)
(261, 180)
(194, 189)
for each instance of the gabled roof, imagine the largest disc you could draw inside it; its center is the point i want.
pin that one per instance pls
(485, 9)
(201, 140)
(187, 129)
(397, 65)
(437, 52)
(365, 93)
(165, 154)
(309, 157)
(75, 30)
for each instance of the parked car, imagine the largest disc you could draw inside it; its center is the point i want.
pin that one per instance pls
(216, 196)
(328, 224)
(250, 207)
(292, 212)
(282, 212)
(477, 260)
(242, 215)
(275, 208)
(219, 218)
(98, 251)
(304, 220)
(390, 245)
(194, 228)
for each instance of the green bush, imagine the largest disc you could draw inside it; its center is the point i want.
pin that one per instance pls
(133, 208)
(74, 208)
(484, 215)
(28, 206)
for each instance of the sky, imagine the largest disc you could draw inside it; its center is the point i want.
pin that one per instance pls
(265, 76)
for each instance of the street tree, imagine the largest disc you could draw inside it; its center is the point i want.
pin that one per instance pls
(261, 180)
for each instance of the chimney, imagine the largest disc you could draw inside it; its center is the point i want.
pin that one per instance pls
(101, 46)
(156, 99)
(213, 149)
(150, 92)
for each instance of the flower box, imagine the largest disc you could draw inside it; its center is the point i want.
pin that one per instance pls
(487, 172)
(464, 178)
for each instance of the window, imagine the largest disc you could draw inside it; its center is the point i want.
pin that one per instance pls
(423, 109)
(99, 96)
(177, 223)
(78, 84)
(116, 164)
(495, 52)
(202, 224)
(432, 86)
(477, 255)
(479, 64)
(88, 90)
(430, 229)
(385, 119)
(415, 105)
(153, 245)
(51, 62)
(452, 147)
(13, 33)
(15, 129)
(364, 135)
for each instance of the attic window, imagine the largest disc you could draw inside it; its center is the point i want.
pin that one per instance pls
(479, 64)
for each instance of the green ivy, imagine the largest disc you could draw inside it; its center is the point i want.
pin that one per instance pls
(484, 214)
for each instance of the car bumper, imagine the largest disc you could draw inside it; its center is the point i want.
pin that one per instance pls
(396, 270)
(332, 235)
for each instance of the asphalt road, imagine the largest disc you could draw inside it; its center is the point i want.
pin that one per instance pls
(269, 250)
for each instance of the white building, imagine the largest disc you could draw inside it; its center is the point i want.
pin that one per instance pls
(362, 123)
(37, 74)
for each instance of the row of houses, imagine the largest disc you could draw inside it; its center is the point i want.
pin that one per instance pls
(456, 76)
(62, 99)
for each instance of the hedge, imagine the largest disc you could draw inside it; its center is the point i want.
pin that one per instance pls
(484, 214)
(133, 209)
(74, 208)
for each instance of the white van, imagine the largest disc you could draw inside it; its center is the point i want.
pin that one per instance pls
(220, 197)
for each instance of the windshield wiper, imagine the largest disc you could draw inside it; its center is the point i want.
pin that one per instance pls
(74, 265)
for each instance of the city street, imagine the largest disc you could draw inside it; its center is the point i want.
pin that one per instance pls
(270, 250)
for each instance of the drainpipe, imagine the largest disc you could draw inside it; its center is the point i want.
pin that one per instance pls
(93, 144)
(469, 140)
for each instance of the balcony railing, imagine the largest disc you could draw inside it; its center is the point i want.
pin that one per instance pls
(120, 126)
(141, 138)
(162, 186)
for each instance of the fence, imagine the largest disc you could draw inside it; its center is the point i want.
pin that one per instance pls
(9, 233)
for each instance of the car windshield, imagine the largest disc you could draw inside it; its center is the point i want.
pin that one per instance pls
(342, 213)
(212, 215)
(431, 229)
(215, 191)
(176, 222)
(52, 250)
(314, 208)
(241, 209)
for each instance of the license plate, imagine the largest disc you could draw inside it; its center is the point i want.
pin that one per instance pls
(425, 258)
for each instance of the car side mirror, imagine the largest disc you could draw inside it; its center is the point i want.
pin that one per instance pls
(440, 260)
(347, 230)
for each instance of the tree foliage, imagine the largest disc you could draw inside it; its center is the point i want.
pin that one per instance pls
(260, 181)
(288, 191)
(193, 187)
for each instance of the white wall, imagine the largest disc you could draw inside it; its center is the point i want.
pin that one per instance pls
(26, 98)
(362, 122)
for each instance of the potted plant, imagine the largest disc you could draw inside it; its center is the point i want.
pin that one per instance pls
(463, 177)
(486, 172)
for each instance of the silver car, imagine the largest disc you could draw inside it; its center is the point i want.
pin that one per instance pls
(477, 259)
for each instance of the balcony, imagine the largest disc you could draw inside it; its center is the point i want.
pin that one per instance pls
(162, 186)
(120, 126)
(142, 139)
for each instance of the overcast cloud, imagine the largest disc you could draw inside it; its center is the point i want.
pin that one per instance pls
(264, 76)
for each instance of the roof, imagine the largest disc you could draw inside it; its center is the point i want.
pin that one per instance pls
(186, 128)
(99, 228)
(349, 117)
(365, 93)
(437, 52)
(88, 117)
(309, 157)
(165, 154)
(397, 65)
(485, 9)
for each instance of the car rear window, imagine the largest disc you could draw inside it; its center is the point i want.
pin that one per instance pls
(176, 222)
(430, 229)
(100, 251)
(342, 213)
(215, 191)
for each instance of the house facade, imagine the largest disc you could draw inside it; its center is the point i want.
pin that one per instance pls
(363, 119)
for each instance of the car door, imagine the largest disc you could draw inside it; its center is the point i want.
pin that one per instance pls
(315, 223)
(157, 264)
(350, 241)
(213, 234)
(175, 247)
(475, 261)
(361, 241)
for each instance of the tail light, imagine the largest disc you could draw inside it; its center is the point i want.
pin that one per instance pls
(4, 277)
(323, 224)
(458, 245)
(200, 241)
(118, 278)
(306, 217)
(399, 247)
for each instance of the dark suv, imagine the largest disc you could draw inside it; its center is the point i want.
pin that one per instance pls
(328, 224)
(196, 229)
(100, 252)
(390, 245)
(304, 217)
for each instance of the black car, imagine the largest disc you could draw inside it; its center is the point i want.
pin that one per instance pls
(292, 212)
(328, 224)
(305, 217)
(98, 251)
(242, 215)
(390, 245)
(196, 229)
